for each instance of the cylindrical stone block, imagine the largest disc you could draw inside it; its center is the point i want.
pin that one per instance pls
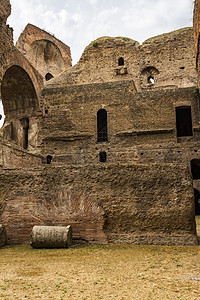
(51, 237)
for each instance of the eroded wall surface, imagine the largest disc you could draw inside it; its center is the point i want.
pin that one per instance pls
(168, 58)
(47, 54)
(6, 37)
(126, 203)
(51, 168)
(196, 28)
(141, 125)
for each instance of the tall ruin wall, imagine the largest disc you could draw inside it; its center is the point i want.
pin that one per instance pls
(129, 182)
(196, 29)
(126, 203)
(6, 34)
(141, 125)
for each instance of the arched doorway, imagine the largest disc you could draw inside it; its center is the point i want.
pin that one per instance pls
(20, 104)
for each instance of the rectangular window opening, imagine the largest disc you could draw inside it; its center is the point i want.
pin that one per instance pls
(184, 121)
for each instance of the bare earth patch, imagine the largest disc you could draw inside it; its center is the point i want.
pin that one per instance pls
(101, 272)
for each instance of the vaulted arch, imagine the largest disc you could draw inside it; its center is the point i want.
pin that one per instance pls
(18, 92)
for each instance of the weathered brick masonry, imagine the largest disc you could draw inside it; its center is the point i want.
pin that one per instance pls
(109, 146)
(126, 203)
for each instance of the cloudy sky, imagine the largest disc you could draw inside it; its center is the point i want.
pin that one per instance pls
(78, 22)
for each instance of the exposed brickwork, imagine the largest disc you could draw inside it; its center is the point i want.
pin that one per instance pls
(51, 168)
(148, 133)
(126, 201)
(168, 57)
(46, 53)
(6, 37)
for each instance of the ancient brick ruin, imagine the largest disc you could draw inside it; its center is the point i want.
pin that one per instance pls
(109, 146)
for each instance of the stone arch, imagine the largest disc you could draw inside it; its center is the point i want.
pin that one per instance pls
(149, 75)
(45, 52)
(15, 58)
(18, 93)
(20, 102)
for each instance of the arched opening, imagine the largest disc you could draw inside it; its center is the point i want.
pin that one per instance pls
(20, 103)
(149, 75)
(102, 134)
(49, 159)
(150, 79)
(48, 76)
(184, 121)
(121, 61)
(18, 92)
(47, 54)
(197, 202)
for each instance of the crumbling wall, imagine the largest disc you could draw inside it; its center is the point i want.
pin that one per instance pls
(6, 34)
(172, 55)
(196, 28)
(143, 192)
(126, 203)
(168, 58)
(141, 125)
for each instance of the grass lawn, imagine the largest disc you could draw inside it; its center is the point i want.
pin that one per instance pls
(101, 272)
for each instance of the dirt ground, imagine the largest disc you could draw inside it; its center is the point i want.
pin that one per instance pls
(101, 272)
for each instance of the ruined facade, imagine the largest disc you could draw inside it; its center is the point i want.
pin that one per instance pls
(109, 146)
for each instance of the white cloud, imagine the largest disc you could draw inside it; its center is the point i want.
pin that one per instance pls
(93, 2)
(78, 22)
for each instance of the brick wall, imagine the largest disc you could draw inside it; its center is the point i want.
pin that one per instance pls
(130, 203)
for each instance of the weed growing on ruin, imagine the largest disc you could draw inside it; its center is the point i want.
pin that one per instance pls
(95, 44)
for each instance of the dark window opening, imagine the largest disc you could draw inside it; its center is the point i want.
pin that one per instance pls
(48, 76)
(121, 61)
(46, 111)
(49, 159)
(150, 79)
(183, 121)
(102, 156)
(195, 168)
(25, 124)
(197, 202)
(182, 68)
(102, 135)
